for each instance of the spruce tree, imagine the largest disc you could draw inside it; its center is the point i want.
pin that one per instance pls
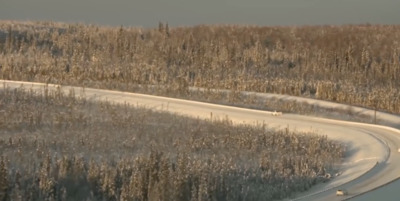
(3, 181)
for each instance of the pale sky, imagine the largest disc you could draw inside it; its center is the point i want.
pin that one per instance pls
(147, 13)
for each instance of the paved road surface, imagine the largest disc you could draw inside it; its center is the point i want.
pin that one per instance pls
(386, 193)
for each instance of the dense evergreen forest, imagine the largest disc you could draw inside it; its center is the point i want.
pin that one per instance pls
(59, 147)
(55, 146)
(354, 64)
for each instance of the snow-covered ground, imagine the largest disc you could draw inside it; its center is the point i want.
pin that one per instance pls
(371, 160)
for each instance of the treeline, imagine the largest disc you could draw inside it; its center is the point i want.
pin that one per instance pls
(353, 64)
(56, 146)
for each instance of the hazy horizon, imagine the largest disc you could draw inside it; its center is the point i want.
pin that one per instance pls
(147, 13)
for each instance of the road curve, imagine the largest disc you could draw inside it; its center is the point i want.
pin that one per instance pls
(372, 159)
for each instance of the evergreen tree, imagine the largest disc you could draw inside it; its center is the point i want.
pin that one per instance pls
(160, 27)
(3, 181)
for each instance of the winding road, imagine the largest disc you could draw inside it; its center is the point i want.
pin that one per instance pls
(372, 159)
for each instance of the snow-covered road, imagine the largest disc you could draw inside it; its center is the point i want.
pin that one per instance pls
(372, 158)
